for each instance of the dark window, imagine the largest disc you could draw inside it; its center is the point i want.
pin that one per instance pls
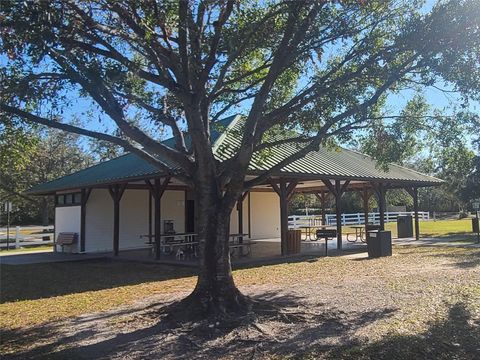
(77, 198)
(70, 199)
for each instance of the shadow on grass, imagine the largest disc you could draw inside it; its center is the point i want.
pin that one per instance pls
(452, 236)
(44, 280)
(462, 259)
(35, 281)
(280, 324)
(456, 337)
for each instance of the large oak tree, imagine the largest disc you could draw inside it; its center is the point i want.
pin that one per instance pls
(319, 69)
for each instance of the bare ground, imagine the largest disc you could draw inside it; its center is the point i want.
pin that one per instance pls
(420, 303)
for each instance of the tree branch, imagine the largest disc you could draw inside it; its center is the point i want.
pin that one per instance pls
(31, 118)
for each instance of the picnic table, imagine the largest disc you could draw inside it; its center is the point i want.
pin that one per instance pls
(309, 228)
(238, 243)
(359, 233)
(184, 241)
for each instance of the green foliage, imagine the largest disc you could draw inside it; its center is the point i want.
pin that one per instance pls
(17, 143)
(324, 70)
(53, 154)
(399, 139)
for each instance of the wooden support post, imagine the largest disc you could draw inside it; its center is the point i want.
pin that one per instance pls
(156, 190)
(365, 195)
(240, 218)
(322, 197)
(381, 204)
(337, 190)
(150, 231)
(116, 192)
(414, 194)
(283, 215)
(158, 217)
(85, 193)
(249, 216)
(415, 209)
(338, 213)
(285, 192)
(240, 215)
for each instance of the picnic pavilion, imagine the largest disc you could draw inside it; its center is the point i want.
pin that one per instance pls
(111, 205)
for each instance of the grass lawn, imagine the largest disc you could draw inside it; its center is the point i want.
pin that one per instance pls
(419, 298)
(440, 228)
(26, 249)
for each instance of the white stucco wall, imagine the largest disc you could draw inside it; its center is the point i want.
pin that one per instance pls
(99, 221)
(67, 219)
(173, 208)
(265, 215)
(133, 219)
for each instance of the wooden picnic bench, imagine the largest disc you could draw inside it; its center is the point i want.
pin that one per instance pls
(67, 239)
(358, 233)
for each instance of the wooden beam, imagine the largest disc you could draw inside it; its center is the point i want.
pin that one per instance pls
(330, 187)
(322, 197)
(344, 186)
(284, 189)
(150, 214)
(275, 187)
(157, 200)
(414, 193)
(365, 195)
(116, 192)
(249, 217)
(85, 194)
(338, 213)
(290, 188)
(145, 186)
(381, 204)
(157, 189)
(240, 214)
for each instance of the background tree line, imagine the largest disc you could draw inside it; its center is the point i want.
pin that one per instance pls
(33, 155)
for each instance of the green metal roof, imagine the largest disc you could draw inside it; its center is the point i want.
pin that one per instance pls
(125, 167)
(326, 163)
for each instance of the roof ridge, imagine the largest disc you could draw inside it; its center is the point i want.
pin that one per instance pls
(224, 133)
(395, 164)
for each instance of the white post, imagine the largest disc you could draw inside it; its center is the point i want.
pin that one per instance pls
(17, 237)
(294, 221)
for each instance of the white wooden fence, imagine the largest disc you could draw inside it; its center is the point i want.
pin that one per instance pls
(295, 221)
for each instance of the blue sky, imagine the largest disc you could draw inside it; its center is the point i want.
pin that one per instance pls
(436, 98)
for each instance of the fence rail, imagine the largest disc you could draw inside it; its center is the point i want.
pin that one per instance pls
(17, 236)
(296, 221)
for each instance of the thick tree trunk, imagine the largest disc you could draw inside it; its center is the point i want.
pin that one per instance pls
(215, 294)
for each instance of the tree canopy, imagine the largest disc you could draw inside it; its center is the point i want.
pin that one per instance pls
(313, 71)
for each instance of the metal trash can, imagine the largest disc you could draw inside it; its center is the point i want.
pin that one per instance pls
(379, 243)
(294, 241)
(404, 226)
(475, 225)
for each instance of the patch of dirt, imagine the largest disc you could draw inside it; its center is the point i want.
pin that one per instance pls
(396, 308)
